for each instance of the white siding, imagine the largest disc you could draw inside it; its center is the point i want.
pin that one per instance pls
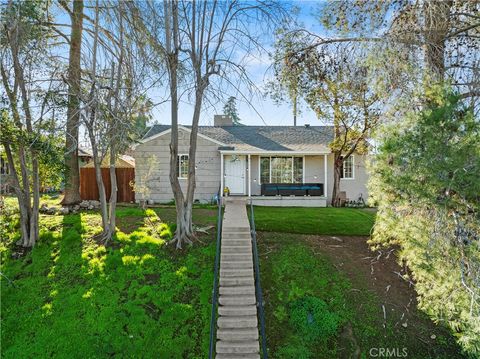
(207, 171)
(358, 185)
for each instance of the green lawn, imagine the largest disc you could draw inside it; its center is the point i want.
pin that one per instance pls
(73, 298)
(332, 221)
(324, 298)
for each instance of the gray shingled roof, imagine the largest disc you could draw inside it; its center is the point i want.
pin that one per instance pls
(265, 138)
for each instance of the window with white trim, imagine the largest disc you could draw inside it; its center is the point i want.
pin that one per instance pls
(281, 169)
(347, 168)
(182, 166)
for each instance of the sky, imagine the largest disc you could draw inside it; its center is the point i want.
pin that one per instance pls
(258, 110)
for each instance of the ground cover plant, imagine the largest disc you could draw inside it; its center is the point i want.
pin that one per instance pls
(72, 297)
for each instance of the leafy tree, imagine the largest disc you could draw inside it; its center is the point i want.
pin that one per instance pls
(230, 109)
(140, 116)
(336, 87)
(25, 46)
(425, 182)
(334, 82)
(51, 159)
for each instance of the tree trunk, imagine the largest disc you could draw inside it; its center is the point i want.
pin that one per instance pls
(295, 99)
(34, 214)
(98, 176)
(30, 215)
(192, 160)
(113, 195)
(72, 172)
(23, 203)
(183, 232)
(337, 166)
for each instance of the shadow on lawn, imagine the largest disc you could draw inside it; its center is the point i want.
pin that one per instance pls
(78, 298)
(66, 265)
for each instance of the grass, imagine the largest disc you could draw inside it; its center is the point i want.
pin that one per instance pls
(331, 221)
(74, 298)
(350, 322)
(316, 308)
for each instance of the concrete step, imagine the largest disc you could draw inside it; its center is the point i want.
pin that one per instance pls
(226, 227)
(237, 356)
(236, 249)
(229, 272)
(233, 257)
(237, 334)
(240, 290)
(237, 300)
(237, 322)
(230, 238)
(236, 281)
(243, 347)
(236, 311)
(236, 264)
(236, 242)
(246, 235)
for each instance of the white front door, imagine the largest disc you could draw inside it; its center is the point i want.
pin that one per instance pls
(235, 174)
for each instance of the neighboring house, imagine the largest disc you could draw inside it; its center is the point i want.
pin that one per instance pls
(84, 156)
(248, 160)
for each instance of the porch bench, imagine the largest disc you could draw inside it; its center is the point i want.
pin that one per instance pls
(292, 189)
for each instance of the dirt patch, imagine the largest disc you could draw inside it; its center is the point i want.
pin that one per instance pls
(379, 273)
(128, 224)
(380, 270)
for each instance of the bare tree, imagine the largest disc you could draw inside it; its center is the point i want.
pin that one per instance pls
(199, 45)
(115, 88)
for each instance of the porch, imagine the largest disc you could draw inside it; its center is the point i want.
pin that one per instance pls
(283, 179)
(287, 201)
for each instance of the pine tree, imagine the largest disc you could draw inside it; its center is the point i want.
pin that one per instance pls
(230, 109)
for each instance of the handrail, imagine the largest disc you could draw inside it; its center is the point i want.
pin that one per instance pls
(215, 281)
(258, 287)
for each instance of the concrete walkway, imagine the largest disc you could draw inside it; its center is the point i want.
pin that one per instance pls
(237, 333)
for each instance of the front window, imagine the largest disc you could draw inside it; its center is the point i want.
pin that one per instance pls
(347, 171)
(182, 162)
(281, 169)
(298, 169)
(264, 169)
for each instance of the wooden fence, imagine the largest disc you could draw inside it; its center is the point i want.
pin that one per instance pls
(89, 188)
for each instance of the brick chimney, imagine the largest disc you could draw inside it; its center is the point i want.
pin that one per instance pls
(222, 120)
